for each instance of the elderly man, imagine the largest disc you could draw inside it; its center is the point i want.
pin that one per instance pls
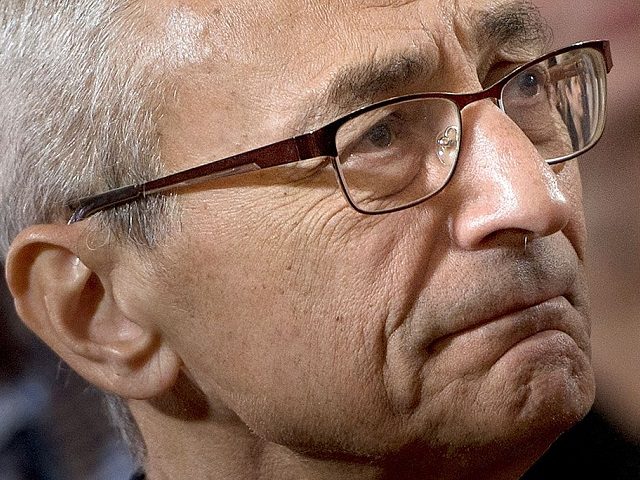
(258, 224)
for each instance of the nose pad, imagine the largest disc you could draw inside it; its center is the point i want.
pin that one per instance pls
(448, 145)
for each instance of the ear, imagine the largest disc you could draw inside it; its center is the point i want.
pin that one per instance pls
(62, 291)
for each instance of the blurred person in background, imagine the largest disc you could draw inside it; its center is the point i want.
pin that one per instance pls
(606, 443)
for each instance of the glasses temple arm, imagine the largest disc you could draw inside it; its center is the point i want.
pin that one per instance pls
(287, 151)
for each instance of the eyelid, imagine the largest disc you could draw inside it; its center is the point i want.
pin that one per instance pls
(363, 125)
(498, 71)
(505, 60)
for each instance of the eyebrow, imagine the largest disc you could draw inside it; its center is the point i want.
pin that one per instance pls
(517, 24)
(358, 85)
(512, 25)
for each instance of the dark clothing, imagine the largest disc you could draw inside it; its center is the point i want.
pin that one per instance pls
(139, 475)
(591, 449)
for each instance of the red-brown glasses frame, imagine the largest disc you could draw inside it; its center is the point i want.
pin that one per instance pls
(318, 143)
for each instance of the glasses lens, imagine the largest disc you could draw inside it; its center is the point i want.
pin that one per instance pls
(398, 154)
(559, 102)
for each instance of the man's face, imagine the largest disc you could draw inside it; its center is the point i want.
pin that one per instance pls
(327, 330)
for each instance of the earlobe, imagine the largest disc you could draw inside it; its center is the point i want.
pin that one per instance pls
(64, 294)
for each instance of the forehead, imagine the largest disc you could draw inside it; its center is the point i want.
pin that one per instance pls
(274, 59)
(285, 29)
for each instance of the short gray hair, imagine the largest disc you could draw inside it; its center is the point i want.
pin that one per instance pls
(79, 112)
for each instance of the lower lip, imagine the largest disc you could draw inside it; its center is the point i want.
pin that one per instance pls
(547, 344)
(550, 326)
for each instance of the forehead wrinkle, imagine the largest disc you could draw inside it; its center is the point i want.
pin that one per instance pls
(514, 24)
(511, 25)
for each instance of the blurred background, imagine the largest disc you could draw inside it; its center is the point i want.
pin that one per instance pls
(611, 178)
(53, 425)
(607, 443)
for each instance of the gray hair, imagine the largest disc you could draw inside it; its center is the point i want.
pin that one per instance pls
(78, 114)
(79, 111)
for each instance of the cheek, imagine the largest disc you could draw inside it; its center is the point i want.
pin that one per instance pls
(282, 316)
(284, 319)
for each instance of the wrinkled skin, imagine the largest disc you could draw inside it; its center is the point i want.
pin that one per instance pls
(426, 343)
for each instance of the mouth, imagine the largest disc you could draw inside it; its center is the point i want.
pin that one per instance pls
(553, 321)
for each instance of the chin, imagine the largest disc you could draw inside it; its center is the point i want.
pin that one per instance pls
(556, 385)
(540, 400)
(546, 407)
(558, 399)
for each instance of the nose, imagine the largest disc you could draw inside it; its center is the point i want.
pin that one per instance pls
(506, 188)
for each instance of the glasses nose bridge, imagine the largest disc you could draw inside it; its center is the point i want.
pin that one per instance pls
(493, 93)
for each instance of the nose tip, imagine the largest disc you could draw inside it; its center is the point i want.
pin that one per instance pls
(504, 183)
(536, 211)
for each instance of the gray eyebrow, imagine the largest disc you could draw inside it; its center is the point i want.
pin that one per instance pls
(513, 25)
(357, 85)
(517, 24)
(362, 83)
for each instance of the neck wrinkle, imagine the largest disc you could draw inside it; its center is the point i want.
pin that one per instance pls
(227, 450)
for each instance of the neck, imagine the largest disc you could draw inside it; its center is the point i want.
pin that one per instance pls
(214, 451)
(191, 441)
(210, 450)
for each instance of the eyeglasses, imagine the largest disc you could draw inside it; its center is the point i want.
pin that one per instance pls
(399, 152)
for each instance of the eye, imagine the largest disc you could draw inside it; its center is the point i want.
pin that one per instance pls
(380, 135)
(530, 82)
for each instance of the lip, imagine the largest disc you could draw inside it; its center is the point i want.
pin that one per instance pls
(459, 304)
(516, 324)
(532, 286)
